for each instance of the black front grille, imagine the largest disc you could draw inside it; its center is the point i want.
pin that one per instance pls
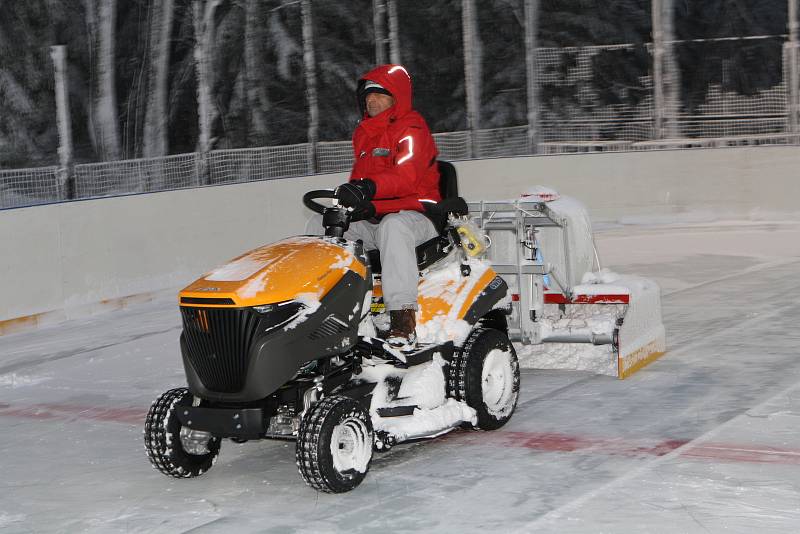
(218, 343)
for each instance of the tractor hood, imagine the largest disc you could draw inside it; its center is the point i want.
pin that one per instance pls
(295, 268)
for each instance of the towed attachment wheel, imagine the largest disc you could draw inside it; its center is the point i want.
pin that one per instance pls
(334, 445)
(485, 375)
(173, 449)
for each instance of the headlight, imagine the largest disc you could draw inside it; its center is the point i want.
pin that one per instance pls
(275, 315)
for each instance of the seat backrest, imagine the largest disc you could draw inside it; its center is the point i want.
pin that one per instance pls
(448, 180)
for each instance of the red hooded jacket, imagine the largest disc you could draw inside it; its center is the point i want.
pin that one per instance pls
(395, 149)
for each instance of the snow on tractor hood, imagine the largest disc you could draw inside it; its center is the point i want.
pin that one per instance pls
(296, 268)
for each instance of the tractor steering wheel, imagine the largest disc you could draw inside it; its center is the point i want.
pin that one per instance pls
(309, 199)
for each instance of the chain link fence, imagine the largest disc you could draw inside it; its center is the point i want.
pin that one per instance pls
(735, 91)
(733, 87)
(27, 187)
(582, 100)
(136, 176)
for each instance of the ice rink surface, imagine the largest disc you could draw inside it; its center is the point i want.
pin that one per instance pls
(706, 439)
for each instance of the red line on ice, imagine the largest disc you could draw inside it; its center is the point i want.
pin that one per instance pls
(539, 441)
(555, 442)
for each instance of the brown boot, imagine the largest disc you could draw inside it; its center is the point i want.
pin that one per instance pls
(402, 332)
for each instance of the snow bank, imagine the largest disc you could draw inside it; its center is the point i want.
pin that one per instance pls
(595, 318)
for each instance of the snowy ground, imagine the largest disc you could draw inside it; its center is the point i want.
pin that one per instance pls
(707, 439)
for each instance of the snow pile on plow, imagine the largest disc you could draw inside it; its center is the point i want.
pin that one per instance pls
(567, 313)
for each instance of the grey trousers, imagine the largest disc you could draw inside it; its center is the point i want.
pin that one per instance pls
(396, 237)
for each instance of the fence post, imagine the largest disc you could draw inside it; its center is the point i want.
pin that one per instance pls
(65, 171)
(471, 78)
(666, 76)
(793, 82)
(531, 22)
(310, 65)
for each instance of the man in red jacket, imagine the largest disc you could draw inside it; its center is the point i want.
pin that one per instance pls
(394, 182)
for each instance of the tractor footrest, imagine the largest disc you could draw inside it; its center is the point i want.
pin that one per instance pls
(424, 354)
(397, 411)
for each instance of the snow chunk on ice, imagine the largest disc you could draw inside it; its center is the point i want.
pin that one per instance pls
(14, 380)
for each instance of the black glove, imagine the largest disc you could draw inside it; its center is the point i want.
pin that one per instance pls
(364, 212)
(356, 194)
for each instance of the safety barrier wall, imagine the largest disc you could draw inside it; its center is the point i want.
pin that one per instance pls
(69, 259)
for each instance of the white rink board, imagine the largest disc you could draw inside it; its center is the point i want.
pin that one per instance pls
(67, 257)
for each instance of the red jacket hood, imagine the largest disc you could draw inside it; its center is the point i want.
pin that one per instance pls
(396, 80)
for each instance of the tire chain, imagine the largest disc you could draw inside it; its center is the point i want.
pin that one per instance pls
(308, 443)
(157, 441)
(457, 377)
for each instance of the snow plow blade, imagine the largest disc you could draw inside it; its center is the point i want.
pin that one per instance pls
(624, 316)
(641, 338)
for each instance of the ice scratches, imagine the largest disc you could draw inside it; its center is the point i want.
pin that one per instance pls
(229, 522)
(14, 380)
(28, 363)
(746, 272)
(737, 328)
(555, 393)
(559, 513)
(6, 519)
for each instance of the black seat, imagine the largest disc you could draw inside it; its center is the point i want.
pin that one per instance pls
(437, 248)
(448, 180)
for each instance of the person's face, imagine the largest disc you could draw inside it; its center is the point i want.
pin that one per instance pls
(377, 103)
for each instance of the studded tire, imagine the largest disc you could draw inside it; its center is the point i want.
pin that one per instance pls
(485, 375)
(334, 445)
(162, 439)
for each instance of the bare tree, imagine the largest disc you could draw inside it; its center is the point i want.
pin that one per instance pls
(472, 69)
(155, 124)
(59, 55)
(255, 36)
(531, 44)
(394, 33)
(310, 65)
(203, 55)
(101, 20)
(666, 75)
(379, 24)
